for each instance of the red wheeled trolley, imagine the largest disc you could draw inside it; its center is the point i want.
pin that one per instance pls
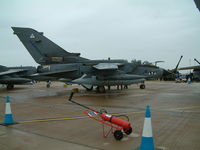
(117, 125)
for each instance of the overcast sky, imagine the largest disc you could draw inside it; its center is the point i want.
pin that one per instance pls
(123, 29)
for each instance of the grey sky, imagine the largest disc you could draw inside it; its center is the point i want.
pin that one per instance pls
(124, 29)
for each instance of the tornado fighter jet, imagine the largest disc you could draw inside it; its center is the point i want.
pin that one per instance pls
(70, 67)
(11, 76)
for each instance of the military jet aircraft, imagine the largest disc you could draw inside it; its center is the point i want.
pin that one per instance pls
(15, 75)
(196, 70)
(57, 62)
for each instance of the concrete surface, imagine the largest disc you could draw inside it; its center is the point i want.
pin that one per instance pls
(48, 121)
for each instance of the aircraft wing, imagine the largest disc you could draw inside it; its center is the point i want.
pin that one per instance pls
(12, 71)
(107, 66)
(53, 73)
(188, 68)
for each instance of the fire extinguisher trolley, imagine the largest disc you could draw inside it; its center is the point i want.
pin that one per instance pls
(117, 125)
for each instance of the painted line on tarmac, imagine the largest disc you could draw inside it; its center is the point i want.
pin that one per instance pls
(126, 113)
(71, 118)
(138, 112)
(52, 119)
(84, 117)
(3, 97)
(182, 108)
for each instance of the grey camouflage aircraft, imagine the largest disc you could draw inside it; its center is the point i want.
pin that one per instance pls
(196, 71)
(71, 68)
(11, 76)
(170, 75)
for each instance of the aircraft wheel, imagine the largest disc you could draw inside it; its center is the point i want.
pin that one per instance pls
(101, 89)
(125, 86)
(48, 85)
(10, 86)
(118, 135)
(129, 131)
(142, 86)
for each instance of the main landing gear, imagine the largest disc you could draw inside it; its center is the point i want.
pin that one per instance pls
(101, 89)
(48, 84)
(10, 86)
(121, 87)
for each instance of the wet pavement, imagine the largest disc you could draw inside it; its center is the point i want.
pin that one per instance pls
(47, 120)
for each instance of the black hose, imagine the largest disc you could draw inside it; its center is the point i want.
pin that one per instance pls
(70, 99)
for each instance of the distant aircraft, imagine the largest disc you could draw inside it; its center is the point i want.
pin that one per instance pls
(11, 76)
(56, 62)
(170, 75)
(196, 70)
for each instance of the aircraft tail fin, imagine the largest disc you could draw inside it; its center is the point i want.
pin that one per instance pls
(43, 50)
(3, 68)
(196, 61)
(175, 69)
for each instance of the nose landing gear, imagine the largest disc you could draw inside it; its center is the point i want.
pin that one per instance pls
(48, 84)
(142, 86)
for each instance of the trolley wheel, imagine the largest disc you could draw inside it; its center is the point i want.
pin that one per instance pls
(118, 134)
(128, 131)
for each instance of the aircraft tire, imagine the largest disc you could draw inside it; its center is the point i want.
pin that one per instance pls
(142, 86)
(48, 85)
(125, 86)
(129, 131)
(101, 89)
